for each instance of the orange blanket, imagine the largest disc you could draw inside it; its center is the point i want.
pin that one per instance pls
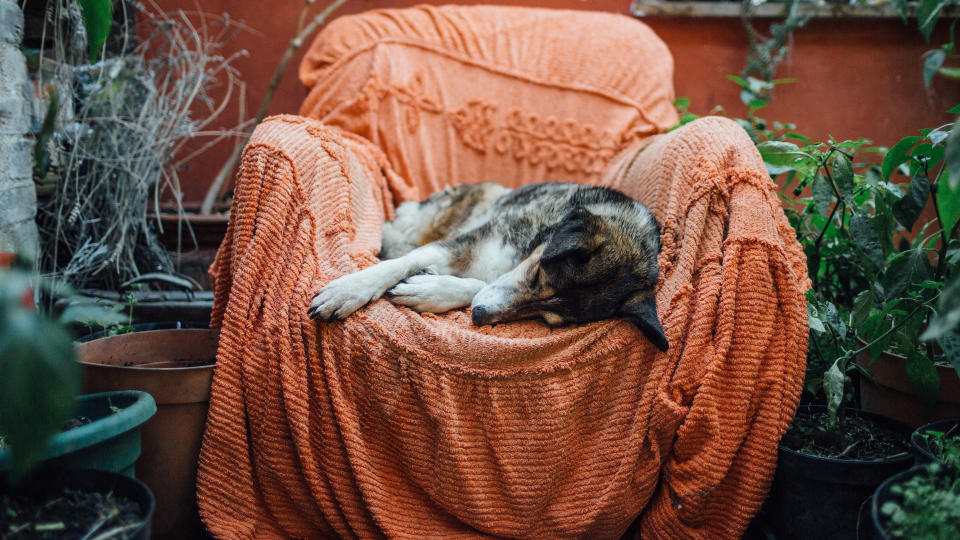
(407, 425)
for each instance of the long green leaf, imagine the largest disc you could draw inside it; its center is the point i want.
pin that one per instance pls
(908, 208)
(952, 157)
(40, 381)
(923, 377)
(897, 155)
(904, 270)
(866, 238)
(933, 61)
(927, 14)
(97, 17)
(822, 195)
(843, 176)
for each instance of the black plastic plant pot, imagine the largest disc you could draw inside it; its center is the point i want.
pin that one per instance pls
(50, 483)
(109, 441)
(921, 451)
(819, 497)
(880, 522)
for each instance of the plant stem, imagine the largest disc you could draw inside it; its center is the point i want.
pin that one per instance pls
(894, 327)
(213, 193)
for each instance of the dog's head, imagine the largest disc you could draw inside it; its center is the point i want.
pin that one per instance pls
(592, 266)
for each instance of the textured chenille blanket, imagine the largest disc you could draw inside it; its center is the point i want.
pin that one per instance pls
(392, 423)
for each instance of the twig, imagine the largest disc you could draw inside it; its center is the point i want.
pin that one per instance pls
(846, 450)
(214, 192)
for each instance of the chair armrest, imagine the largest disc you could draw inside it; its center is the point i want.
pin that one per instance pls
(732, 298)
(320, 196)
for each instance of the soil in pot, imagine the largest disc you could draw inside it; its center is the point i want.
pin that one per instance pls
(72, 504)
(827, 495)
(857, 437)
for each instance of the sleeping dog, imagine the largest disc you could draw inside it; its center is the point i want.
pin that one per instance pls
(565, 253)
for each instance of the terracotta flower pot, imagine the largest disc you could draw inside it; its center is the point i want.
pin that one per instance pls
(174, 366)
(890, 393)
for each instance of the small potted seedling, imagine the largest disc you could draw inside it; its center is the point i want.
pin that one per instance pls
(934, 442)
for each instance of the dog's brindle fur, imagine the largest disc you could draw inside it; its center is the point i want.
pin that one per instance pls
(561, 252)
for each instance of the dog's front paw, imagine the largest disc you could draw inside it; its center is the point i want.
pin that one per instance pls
(341, 297)
(434, 294)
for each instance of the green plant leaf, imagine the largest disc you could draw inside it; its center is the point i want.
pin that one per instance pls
(927, 14)
(843, 176)
(39, 384)
(97, 17)
(904, 270)
(950, 345)
(862, 305)
(866, 238)
(952, 156)
(823, 194)
(923, 377)
(931, 63)
(813, 319)
(909, 207)
(875, 326)
(897, 155)
(932, 153)
(948, 201)
(91, 314)
(947, 317)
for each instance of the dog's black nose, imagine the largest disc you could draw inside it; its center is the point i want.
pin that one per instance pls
(479, 315)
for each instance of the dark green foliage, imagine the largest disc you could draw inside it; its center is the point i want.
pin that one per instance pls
(925, 506)
(875, 288)
(40, 375)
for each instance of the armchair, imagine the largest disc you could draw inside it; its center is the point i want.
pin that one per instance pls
(407, 425)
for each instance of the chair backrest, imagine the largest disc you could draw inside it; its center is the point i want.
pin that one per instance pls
(460, 94)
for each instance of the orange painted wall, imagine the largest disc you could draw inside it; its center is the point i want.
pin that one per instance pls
(854, 77)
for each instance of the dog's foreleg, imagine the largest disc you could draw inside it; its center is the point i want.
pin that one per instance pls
(435, 294)
(346, 294)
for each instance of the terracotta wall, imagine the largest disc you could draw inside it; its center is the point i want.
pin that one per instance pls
(854, 77)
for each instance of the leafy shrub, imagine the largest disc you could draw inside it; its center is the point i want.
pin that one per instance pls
(925, 506)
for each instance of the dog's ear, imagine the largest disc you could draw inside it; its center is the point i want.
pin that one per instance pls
(641, 310)
(575, 237)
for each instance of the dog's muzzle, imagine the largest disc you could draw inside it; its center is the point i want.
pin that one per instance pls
(491, 304)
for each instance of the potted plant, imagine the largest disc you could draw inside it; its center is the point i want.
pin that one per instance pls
(936, 442)
(42, 423)
(173, 363)
(883, 289)
(874, 289)
(921, 502)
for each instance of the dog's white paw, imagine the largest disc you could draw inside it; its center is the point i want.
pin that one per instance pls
(342, 296)
(434, 294)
